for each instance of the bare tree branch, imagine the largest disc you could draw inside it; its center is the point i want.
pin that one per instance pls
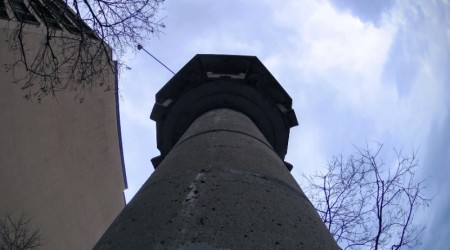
(17, 234)
(78, 41)
(365, 203)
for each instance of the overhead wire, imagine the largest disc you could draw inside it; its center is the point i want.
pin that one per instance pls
(140, 47)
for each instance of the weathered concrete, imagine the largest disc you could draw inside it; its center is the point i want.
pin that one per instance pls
(222, 186)
(223, 126)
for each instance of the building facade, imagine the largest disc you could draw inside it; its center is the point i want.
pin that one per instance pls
(61, 161)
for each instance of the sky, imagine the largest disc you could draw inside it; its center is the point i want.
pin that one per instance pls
(358, 72)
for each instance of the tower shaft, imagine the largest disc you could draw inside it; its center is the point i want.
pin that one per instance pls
(221, 187)
(221, 181)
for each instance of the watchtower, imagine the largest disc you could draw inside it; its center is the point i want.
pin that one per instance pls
(221, 181)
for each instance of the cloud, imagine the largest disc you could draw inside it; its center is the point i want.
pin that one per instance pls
(352, 77)
(353, 61)
(356, 81)
(325, 43)
(433, 105)
(367, 11)
(333, 71)
(437, 169)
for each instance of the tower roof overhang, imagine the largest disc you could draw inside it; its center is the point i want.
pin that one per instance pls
(209, 82)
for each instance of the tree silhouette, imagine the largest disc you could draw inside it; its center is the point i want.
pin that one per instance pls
(368, 204)
(77, 41)
(17, 234)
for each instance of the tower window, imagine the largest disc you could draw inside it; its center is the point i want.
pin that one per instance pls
(45, 14)
(3, 13)
(21, 12)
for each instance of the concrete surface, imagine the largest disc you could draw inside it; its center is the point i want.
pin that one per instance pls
(222, 186)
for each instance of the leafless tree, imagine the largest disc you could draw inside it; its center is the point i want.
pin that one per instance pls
(17, 234)
(366, 203)
(78, 41)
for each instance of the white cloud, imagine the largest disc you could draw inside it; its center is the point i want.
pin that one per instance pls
(348, 54)
(334, 60)
(348, 57)
(329, 62)
(325, 39)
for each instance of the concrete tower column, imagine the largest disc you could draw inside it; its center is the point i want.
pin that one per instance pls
(220, 182)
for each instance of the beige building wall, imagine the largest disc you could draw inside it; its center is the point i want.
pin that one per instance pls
(60, 160)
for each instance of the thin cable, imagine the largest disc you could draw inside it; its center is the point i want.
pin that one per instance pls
(142, 48)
